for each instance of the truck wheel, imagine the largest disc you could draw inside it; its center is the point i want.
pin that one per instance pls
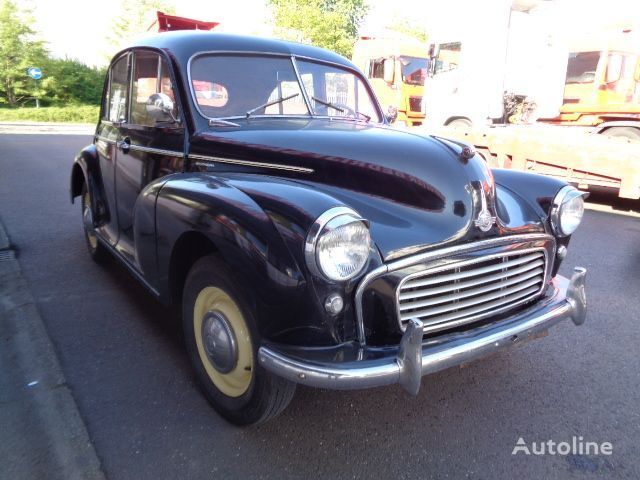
(460, 123)
(97, 251)
(631, 133)
(222, 342)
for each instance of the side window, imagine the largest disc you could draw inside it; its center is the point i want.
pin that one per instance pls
(118, 88)
(376, 68)
(614, 67)
(448, 57)
(150, 75)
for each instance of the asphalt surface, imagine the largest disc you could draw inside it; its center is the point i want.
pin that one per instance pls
(123, 358)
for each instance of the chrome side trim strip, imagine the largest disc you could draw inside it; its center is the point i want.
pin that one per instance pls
(140, 148)
(156, 151)
(435, 255)
(248, 163)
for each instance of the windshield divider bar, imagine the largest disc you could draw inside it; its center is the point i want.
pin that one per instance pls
(307, 100)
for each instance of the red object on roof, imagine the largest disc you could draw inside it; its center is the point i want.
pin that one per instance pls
(168, 23)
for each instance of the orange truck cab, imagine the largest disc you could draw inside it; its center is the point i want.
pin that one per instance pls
(396, 69)
(602, 86)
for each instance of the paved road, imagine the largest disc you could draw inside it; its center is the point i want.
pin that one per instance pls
(123, 357)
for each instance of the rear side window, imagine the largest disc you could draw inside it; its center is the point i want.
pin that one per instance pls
(118, 89)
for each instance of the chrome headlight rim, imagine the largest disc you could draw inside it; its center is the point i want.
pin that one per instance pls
(565, 195)
(333, 218)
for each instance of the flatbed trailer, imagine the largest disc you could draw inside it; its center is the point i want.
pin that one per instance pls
(577, 155)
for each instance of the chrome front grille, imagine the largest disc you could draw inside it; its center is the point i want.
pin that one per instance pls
(465, 291)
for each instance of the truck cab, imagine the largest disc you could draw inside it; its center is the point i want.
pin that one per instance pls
(603, 85)
(396, 69)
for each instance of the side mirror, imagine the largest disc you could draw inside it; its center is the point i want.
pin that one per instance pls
(389, 67)
(434, 50)
(160, 107)
(392, 114)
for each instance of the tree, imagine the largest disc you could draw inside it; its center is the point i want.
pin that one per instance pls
(135, 19)
(331, 24)
(72, 82)
(19, 50)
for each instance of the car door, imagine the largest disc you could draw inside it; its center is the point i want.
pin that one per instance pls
(114, 113)
(147, 147)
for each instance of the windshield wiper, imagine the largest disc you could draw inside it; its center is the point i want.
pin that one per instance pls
(341, 110)
(327, 104)
(268, 104)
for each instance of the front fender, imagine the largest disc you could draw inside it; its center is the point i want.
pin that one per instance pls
(257, 242)
(538, 191)
(86, 169)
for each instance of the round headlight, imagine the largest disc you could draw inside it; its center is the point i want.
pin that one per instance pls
(338, 244)
(567, 211)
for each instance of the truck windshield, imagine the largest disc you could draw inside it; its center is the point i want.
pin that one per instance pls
(414, 69)
(234, 86)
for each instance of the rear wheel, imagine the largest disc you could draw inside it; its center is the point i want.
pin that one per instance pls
(97, 251)
(630, 133)
(460, 123)
(222, 342)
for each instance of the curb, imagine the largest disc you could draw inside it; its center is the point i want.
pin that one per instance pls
(52, 128)
(41, 432)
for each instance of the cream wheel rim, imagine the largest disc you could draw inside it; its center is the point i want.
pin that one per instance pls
(234, 381)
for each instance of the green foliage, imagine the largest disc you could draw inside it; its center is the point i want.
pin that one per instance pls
(331, 24)
(69, 81)
(410, 28)
(75, 114)
(63, 82)
(135, 19)
(19, 50)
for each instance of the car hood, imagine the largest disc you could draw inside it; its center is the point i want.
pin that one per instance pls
(416, 191)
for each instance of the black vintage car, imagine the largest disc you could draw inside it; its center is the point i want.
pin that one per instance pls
(258, 184)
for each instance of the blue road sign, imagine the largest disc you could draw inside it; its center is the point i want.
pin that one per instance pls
(35, 73)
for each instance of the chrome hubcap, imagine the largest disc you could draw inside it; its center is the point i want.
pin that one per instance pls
(219, 342)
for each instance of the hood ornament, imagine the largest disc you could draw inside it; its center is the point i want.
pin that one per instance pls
(485, 220)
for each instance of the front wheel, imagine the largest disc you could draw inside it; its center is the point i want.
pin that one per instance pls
(97, 251)
(222, 342)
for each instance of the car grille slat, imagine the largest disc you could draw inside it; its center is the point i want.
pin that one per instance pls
(532, 269)
(461, 292)
(467, 274)
(442, 322)
(517, 281)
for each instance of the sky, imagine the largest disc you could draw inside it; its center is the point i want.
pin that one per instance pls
(78, 28)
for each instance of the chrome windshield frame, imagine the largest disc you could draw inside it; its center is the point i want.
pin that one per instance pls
(293, 58)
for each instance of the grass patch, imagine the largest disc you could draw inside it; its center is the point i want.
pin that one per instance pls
(69, 114)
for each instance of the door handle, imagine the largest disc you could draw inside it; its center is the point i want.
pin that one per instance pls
(124, 144)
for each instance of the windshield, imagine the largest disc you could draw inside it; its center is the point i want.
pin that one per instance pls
(414, 69)
(232, 86)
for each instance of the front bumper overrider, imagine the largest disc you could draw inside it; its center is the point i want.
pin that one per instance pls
(351, 367)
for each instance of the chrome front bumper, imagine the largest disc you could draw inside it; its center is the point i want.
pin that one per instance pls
(415, 357)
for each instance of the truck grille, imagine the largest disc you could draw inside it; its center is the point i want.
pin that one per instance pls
(465, 291)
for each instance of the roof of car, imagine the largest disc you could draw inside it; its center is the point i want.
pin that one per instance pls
(184, 44)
